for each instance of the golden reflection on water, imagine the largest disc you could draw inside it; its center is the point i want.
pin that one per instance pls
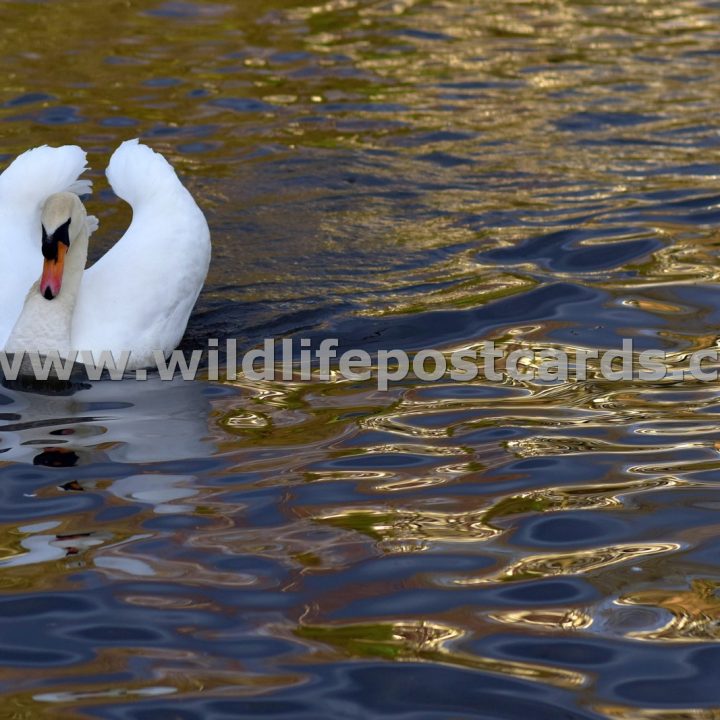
(694, 613)
(618, 712)
(580, 561)
(557, 620)
(401, 526)
(428, 642)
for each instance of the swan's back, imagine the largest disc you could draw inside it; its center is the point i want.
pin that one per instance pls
(24, 186)
(139, 295)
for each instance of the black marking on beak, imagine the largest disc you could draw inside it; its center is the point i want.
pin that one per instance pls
(48, 294)
(50, 242)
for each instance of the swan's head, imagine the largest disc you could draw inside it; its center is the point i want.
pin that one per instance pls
(63, 220)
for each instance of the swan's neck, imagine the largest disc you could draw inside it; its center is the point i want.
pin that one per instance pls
(45, 325)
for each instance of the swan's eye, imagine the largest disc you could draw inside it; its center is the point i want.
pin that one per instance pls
(50, 242)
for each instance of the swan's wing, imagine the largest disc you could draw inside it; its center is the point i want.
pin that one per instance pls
(38, 173)
(139, 295)
(137, 174)
(24, 186)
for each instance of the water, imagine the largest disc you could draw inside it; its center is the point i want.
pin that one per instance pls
(395, 173)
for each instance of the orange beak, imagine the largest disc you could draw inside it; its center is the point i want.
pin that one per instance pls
(51, 280)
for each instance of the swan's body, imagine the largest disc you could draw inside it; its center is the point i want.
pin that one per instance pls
(139, 295)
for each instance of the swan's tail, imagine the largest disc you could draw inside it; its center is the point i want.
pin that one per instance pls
(38, 173)
(136, 172)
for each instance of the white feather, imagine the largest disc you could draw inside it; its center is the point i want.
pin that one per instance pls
(139, 295)
(81, 187)
(92, 224)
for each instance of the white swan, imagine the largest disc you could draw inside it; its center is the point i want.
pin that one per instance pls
(139, 295)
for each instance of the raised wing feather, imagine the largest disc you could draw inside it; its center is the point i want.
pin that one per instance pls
(139, 295)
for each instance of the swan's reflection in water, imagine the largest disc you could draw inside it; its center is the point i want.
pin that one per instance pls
(113, 435)
(127, 422)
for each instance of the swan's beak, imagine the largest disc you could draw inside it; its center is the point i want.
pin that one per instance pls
(52, 275)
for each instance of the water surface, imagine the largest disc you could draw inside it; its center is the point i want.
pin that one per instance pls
(395, 173)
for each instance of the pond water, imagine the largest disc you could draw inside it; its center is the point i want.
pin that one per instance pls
(395, 173)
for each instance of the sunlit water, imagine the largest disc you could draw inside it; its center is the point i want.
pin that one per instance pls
(397, 173)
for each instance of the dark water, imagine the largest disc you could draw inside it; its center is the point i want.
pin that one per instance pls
(396, 173)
